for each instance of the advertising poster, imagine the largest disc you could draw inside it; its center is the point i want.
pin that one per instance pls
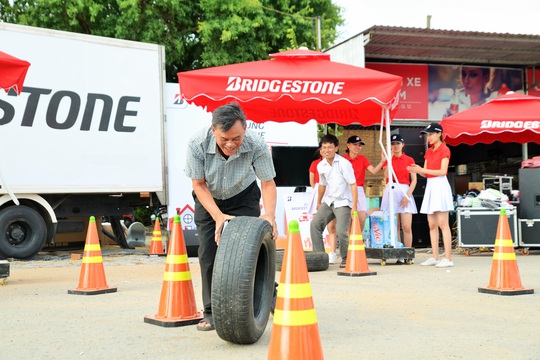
(433, 92)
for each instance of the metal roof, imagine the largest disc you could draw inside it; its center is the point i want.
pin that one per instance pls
(403, 44)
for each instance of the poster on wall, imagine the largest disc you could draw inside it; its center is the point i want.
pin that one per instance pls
(414, 90)
(432, 92)
(454, 88)
(533, 82)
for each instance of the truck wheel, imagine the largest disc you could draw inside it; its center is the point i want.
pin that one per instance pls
(315, 261)
(243, 280)
(22, 232)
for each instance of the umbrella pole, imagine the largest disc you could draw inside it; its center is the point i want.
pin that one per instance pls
(385, 122)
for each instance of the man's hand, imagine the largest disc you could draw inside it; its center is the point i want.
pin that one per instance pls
(220, 221)
(272, 220)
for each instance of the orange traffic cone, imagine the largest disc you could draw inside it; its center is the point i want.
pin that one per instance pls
(156, 246)
(356, 264)
(177, 305)
(295, 333)
(92, 277)
(505, 279)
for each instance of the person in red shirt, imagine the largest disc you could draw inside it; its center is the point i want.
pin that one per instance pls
(331, 226)
(438, 199)
(360, 164)
(404, 184)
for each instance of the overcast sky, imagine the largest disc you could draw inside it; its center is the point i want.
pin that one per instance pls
(500, 16)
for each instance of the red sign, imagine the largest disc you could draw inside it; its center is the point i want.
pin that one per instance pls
(413, 102)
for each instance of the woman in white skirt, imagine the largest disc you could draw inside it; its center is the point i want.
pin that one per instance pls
(438, 199)
(402, 190)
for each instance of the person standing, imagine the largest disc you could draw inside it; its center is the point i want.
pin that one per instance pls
(336, 198)
(331, 226)
(224, 162)
(402, 190)
(360, 164)
(438, 200)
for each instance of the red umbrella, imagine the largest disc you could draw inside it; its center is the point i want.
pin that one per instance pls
(12, 72)
(507, 118)
(296, 85)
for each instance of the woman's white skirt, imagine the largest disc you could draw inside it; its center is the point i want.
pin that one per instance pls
(399, 192)
(438, 196)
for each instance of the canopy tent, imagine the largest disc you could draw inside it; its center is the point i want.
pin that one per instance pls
(508, 118)
(299, 85)
(12, 72)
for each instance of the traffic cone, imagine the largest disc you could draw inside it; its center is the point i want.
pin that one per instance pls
(505, 279)
(92, 277)
(295, 333)
(156, 246)
(356, 264)
(177, 305)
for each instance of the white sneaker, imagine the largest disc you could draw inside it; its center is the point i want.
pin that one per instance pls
(332, 258)
(430, 262)
(444, 262)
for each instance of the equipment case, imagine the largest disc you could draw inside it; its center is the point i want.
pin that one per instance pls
(477, 227)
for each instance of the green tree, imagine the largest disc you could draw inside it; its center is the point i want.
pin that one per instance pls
(245, 30)
(195, 34)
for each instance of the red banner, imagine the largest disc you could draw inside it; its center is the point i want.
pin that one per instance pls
(413, 102)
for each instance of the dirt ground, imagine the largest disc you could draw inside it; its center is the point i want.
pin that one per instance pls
(405, 311)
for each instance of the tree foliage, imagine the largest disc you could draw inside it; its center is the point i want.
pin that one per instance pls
(195, 33)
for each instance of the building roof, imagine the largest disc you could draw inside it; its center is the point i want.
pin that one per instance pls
(403, 44)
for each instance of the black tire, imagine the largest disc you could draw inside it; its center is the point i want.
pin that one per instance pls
(315, 261)
(243, 280)
(23, 232)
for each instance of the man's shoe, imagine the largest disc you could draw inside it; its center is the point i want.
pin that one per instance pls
(332, 258)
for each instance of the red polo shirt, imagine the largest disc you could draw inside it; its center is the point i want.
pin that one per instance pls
(359, 164)
(313, 169)
(399, 164)
(434, 157)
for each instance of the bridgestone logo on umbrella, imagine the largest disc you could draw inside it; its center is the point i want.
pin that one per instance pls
(490, 124)
(236, 83)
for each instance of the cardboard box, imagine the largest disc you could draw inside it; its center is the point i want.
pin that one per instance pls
(476, 185)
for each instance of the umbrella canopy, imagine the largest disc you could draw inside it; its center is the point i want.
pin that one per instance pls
(508, 118)
(296, 85)
(12, 72)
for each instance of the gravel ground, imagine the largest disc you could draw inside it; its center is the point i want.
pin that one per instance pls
(405, 311)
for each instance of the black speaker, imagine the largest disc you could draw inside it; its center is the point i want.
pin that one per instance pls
(529, 193)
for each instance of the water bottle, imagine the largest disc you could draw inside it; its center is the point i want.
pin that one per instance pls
(459, 199)
(365, 237)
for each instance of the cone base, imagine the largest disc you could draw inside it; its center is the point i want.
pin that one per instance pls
(523, 291)
(354, 273)
(92, 292)
(171, 322)
(157, 254)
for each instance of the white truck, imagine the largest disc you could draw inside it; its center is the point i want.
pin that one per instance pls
(85, 137)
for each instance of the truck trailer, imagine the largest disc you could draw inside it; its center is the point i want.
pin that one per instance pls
(84, 138)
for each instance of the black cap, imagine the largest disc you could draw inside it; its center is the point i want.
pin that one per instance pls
(355, 139)
(431, 128)
(396, 137)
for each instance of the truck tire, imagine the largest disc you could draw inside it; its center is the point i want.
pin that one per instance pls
(243, 280)
(315, 261)
(22, 232)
